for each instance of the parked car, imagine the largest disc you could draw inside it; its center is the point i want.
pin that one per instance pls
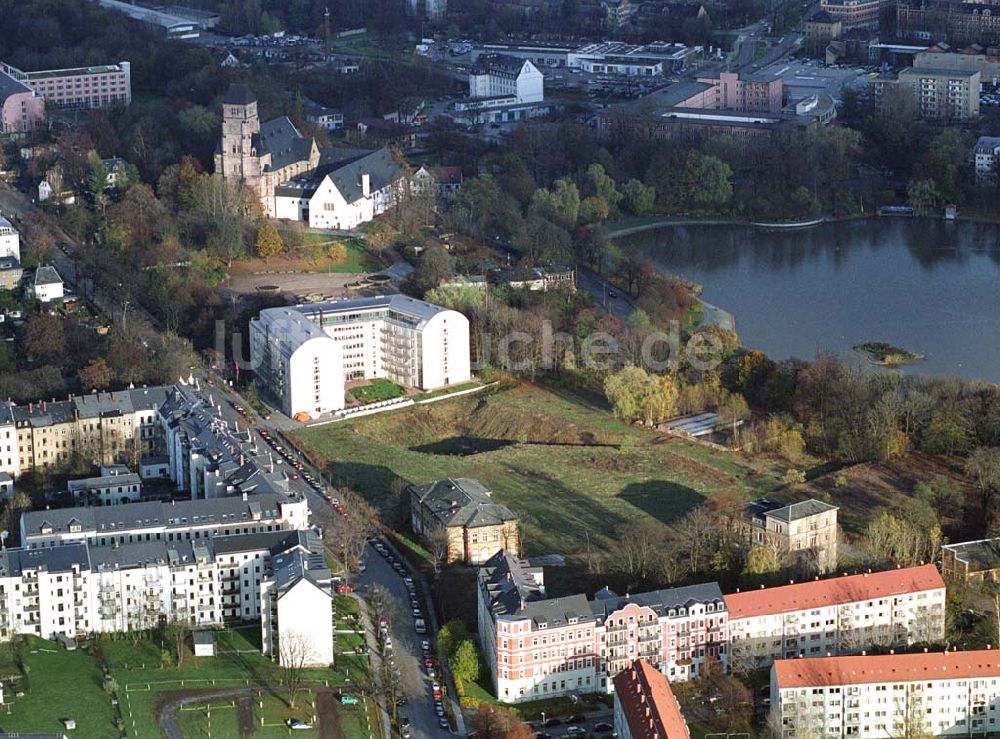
(576, 731)
(344, 588)
(294, 723)
(603, 726)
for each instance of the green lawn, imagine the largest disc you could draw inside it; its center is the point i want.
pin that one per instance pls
(377, 390)
(60, 685)
(359, 259)
(563, 463)
(143, 681)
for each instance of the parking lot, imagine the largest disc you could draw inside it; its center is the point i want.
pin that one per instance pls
(804, 77)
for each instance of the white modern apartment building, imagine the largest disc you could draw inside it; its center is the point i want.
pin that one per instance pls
(152, 521)
(941, 694)
(10, 240)
(305, 354)
(297, 610)
(81, 587)
(840, 615)
(539, 647)
(506, 77)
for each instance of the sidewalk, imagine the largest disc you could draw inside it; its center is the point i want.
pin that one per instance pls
(374, 663)
(433, 628)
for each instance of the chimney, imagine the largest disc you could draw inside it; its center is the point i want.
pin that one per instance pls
(244, 495)
(45, 406)
(366, 184)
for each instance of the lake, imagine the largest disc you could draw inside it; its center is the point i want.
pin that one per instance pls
(925, 285)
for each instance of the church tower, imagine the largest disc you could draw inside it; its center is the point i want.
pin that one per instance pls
(237, 156)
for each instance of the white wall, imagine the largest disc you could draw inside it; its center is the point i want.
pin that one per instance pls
(10, 242)
(305, 385)
(440, 366)
(305, 612)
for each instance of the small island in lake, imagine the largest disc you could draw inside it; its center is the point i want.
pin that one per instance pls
(881, 352)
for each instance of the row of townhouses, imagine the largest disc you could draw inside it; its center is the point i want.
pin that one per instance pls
(538, 647)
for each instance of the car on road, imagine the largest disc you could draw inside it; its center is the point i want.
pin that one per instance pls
(425, 645)
(603, 726)
(443, 723)
(438, 708)
(576, 731)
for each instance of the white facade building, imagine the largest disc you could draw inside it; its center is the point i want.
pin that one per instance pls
(887, 696)
(47, 285)
(507, 77)
(841, 615)
(297, 610)
(407, 341)
(352, 193)
(81, 587)
(107, 490)
(985, 155)
(10, 240)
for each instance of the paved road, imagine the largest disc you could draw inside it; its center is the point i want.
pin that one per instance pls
(610, 297)
(413, 682)
(406, 644)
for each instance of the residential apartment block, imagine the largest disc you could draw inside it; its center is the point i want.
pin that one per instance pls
(475, 526)
(296, 612)
(856, 13)
(80, 88)
(807, 528)
(111, 487)
(305, 354)
(888, 696)
(504, 76)
(971, 561)
(81, 587)
(984, 156)
(743, 93)
(645, 706)
(21, 108)
(931, 94)
(841, 615)
(10, 240)
(178, 520)
(539, 647)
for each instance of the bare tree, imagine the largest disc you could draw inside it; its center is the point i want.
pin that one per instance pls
(176, 632)
(437, 540)
(295, 651)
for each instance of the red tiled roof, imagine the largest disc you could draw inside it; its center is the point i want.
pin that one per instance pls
(648, 703)
(886, 668)
(832, 591)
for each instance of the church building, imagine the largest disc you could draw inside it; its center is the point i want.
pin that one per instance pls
(264, 155)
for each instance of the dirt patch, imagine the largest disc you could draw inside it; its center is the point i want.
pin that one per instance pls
(328, 710)
(698, 470)
(244, 717)
(170, 702)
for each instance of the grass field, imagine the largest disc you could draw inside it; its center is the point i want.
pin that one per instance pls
(377, 390)
(140, 675)
(563, 463)
(60, 685)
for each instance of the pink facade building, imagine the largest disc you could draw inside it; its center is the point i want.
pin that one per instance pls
(84, 87)
(20, 107)
(731, 91)
(539, 647)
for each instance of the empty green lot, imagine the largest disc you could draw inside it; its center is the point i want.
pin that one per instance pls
(562, 462)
